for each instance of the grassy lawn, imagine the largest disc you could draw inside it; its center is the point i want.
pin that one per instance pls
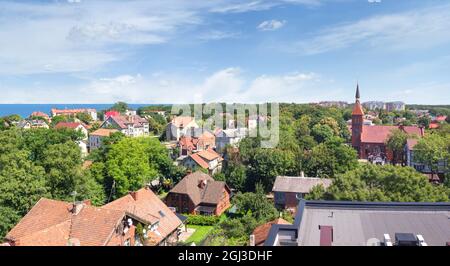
(201, 231)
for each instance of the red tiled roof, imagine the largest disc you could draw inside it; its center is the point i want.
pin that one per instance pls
(433, 125)
(42, 114)
(410, 143)
(72, 125)
(209, 155)
(357, 109)
(103, 132)
(261, 232)
(182, 121)
(149, 207)
(71, 111)
(441, 118)
(123, 121)
(199, 160)
(380, 134)
(51, 223)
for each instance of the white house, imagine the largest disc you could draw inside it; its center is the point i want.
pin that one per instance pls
(179, 126)
(96, 137)
(130, 126)
(229, 137)
(75, 126)
(206, 159)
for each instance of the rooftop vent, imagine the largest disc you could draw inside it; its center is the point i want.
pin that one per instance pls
(406, 239)
(421, 240)
(387, 240)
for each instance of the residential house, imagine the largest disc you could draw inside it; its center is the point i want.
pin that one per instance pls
(288, 190)
(435, 176)
(40, 114)
(32, 124)
(352, 223)
(205, 159)
(370, 141)
(196, 140)
(229, 137)
(180, 126)
(259, 235)
(110, 113)
(75, 126)
(254, 120)
(59, 223)
(95, 138)
(74, 112)
(199, 193)
(130, 126)
(163, 225)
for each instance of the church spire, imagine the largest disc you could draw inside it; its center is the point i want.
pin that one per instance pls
(357, 91)
(357, 109)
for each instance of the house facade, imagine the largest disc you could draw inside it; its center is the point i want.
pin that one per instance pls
(206, 159)
(75, 126)
(74, 112)
(199, 193)
(96, 137)
(130, 126)
(436, 175)
(289, 190)
(32, 124)
(229, 137)
(180, 126)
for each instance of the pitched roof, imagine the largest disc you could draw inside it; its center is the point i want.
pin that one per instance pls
(190, 185)
(261, 232)
(357, 109)
(52, 223)
(103, 132)
(379, 134)
(124, 121)
(209, 155)
(72, 125)
(147, 206)
(410, 143)
(299, 184)
(72, 111)
(182, 121)
(42, 114)
(199, 160)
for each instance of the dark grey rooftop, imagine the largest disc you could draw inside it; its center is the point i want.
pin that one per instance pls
(360, 224)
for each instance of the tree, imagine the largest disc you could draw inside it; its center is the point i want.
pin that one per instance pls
(84, 117)
(22, 184)
(371, 182)
(396, 143)
(424, 121)
(321, 133)
(235, 176)
(330, 158)
(267, 164)
(431, 150)
(133, 162)
(255, 204)
(120, 107)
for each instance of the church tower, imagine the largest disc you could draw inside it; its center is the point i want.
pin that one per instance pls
(357, 123)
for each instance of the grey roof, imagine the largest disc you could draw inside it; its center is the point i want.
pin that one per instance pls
(298, 184)
(362, 223)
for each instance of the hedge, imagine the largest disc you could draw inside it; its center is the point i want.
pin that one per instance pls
(201, 220)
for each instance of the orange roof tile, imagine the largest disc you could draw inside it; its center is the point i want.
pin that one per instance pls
(103, 132)
(261, 232)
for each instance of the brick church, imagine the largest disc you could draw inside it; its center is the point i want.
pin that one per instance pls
(370, 140)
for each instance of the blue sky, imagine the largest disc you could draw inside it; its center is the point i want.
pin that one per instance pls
(177, 51)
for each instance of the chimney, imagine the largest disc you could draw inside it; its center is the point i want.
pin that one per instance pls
(326, 235)
(202, 183)
(134, 195)
(77, 207)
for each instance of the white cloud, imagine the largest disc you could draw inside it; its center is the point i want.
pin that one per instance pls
(227, 85)
(271, 25)
(239, 6)
(218, 35)
(415, 29)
